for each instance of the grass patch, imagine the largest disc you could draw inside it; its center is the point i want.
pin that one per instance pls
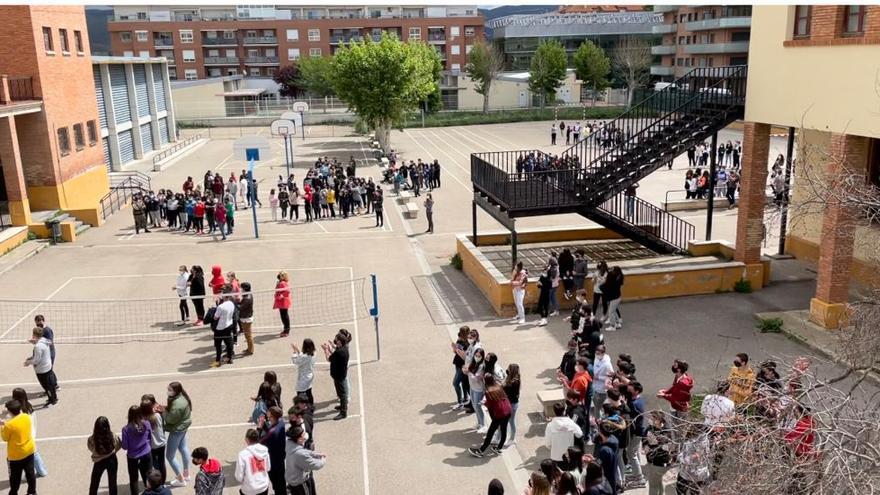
(742, 286)
(455, 261)
(769, 325)
(443, 119)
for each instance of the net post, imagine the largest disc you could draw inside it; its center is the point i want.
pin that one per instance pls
(374, 312)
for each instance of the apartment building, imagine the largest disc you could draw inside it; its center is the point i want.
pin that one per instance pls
(254, 41)
(700, 36)
(833, 112)
(50, 150)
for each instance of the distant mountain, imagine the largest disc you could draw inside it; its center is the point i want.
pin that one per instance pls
(96, 21)
(506, 10)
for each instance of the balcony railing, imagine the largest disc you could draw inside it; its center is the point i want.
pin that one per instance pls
(662, 70)
(335, 40)
(221, 60)
(21, 89)
(706, 48)
(719, 23)
(219, 41)
(436, 38)
(663, 50)
(261, 40)
(163, 41)
(261, 60)
(664, 28)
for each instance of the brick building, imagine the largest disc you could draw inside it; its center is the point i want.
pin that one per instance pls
(700, 36)
(214, 41)
(834, 113)
(50, 149)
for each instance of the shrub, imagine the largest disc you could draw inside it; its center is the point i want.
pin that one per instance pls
(769, 325)
(456, 262)
(742, 286)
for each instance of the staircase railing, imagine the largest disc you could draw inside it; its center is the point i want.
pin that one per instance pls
(158, 157)
(518, 180)
(120, 193)
(648, 221)
(130, 178)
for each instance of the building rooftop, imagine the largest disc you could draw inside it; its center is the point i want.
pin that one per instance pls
(583, 9)
(128, 60)
(200, 82)
(556, 24)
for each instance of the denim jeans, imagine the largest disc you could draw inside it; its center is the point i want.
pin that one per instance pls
(554, 303)
(511, 425)
(177, 442)
(457, 384)
(632, 455)
(655, 478)
(476, 399)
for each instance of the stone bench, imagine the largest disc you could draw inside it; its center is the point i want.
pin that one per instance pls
(404, 197)
(411, 211)
(548, 398)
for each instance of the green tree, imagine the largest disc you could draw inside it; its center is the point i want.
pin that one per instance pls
(484, 64)
(592, 67)
(383, 81)
(547, 70)
(632, 60)
(288, 77)
(316, 75)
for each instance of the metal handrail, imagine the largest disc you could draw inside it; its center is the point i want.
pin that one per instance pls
(649, 220)
(119, 194)
(177, 147)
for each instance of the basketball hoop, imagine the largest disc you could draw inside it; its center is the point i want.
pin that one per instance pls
(282, 127)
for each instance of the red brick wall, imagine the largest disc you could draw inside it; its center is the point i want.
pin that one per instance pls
(118, 47)
(827, 26)
(752, 196)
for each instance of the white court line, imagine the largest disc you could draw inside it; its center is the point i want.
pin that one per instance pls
(357, 347)
(413, 139)
(222, 164)
(497, 138)
(322, 227)
(50, 296)
(129, 275)
(228, 241)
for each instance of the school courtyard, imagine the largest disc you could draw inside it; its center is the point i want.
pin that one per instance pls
(401, 435)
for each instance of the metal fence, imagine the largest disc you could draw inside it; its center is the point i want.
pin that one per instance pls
(162, 155)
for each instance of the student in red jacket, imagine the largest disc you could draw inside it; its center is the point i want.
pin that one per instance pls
(282, 302)
(679, 394)
(217, 280)
(499, 410)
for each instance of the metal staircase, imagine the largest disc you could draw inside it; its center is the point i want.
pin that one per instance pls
(595, 174)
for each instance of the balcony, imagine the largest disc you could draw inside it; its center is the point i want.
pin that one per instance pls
(261, 60)
(336, 40)
(261, 40)
(221, 60)
(664, 28)
(436, 36)
(720, 23)
(665, 8)
(663, 50)
(709, 48)
(220, 41)
(662, 70)
(162, 42)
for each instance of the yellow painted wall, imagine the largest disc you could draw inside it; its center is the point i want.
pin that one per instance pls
(80, 192)
(13, 240)
(199, 101)
(832, 88)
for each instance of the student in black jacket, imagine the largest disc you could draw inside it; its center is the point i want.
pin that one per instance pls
(336, 351)
(575, 410)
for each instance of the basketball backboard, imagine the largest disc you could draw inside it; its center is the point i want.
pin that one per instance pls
(282, 127)
(300, 106)
(248, 148)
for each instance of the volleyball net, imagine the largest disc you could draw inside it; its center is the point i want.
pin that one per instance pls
(116, 321)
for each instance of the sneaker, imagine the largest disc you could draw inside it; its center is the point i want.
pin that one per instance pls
(555, 313)
(199, 323)
(542, 322)
(341, 415)
(619, 325)
(457, 406)
(515, 319)
(177, 483)
(483, 429)
(521, 322)
(215, 364)
(181, 323)
(636, 483)
(337, 408)
(475, 452)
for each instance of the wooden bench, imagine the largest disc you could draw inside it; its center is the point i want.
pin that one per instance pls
(549, 397)
(411, 210)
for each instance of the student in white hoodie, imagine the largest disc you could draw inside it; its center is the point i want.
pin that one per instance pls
(602, 371)
(561, 432)
(41, 360)
(182, 288)
(252, 467)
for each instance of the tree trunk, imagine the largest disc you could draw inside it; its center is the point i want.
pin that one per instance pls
(593, 99)
(383, 135)
(486, 102)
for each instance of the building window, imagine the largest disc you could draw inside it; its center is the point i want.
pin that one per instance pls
(314, 52)
(254, 72)
(455, 31)
(456, 49)
(293, 54)
(144, 54)
(415, 33)
(228, 35)
(186, 36)
(802, 21)
(141, 35)
(189, 55)
(128, 53)
(874, 162)
(172, 73)
(469, 31)
(78, 137)
(125, 36)
(293, 35)
(190, 74)
(740, 36)
(270, 71)
(92, 129)
(314, 35)
(468, 48)
(63, 141)
(47, 40)
(78, 41)
(63, 41)
(854, 19)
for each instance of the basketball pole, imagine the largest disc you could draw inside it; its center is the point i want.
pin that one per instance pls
(286, 156)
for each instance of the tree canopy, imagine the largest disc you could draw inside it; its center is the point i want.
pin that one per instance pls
(383, 81)
(484, 64)
(592, 66)
(288, 77)
(316, 75)
(547, 70)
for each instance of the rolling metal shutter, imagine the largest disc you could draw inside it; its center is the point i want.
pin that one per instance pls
(99, 95)
(105, 142)
(119, 90)
(140, 89)
(163, 131)
(126, 146)
(147, 137)
(159, 87)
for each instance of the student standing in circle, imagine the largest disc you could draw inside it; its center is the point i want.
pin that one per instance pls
(282, 302)
(176, 416)
(519, 281)
(305, 364)
(336, 351)
(429, 213)
(196, 284)
(181, 286)
(103, 444)
(158, 436)
(136, 443)
(246, 316)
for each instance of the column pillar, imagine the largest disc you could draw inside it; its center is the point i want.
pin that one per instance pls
(112, 137)
(154, 119)
(170, 118)
(847, 155)
(753, 192)
(13, 174)
(135, 116)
